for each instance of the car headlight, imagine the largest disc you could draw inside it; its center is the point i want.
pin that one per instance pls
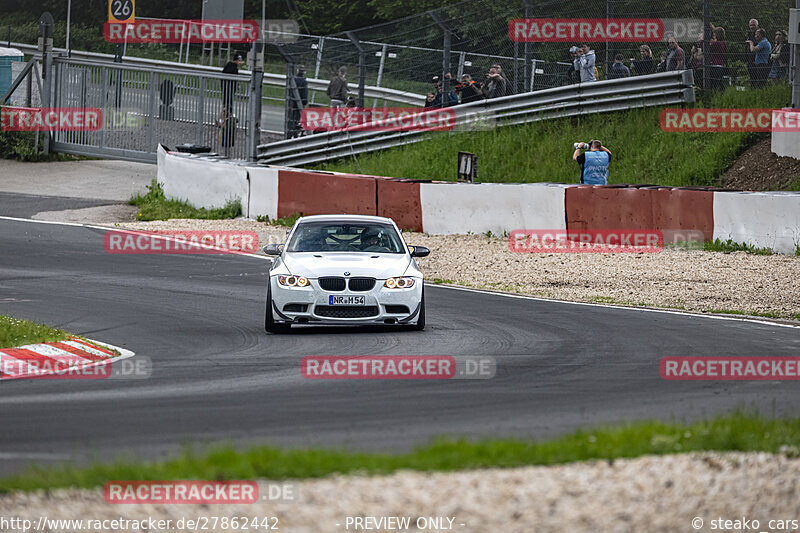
(399, 283)
(293, 281)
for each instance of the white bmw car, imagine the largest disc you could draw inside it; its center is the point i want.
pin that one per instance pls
(344, 269)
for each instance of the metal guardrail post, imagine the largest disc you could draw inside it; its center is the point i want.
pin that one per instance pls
(201, 107)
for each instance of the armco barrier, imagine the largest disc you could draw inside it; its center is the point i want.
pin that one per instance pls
(263, 192)
(203, 182)
(622, 207)
(763, 219)
(400, 201)
(496, 207)
(317, 193)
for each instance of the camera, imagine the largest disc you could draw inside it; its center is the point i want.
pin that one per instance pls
(579, 146)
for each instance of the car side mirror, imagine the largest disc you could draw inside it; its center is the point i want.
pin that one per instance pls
(273, 249)
(419, 251)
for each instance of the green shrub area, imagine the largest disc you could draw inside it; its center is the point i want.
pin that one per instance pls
(154, 205)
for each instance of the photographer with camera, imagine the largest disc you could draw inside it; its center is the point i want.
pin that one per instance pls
(468, 90)
(593, 161)
(584, 63)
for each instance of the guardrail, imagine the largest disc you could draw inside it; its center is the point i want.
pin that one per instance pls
(370, 91)
(669, 88)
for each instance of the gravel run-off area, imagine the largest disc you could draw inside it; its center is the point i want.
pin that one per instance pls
(692, 280)
(650, 494)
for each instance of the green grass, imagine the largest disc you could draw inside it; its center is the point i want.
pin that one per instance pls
(735, 432)
(17, 332)
(155, 206)
(542, 151)
(440, 281)
(729, 246)
(287, 221)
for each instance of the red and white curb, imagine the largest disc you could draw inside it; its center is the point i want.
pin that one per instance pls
(71, 358)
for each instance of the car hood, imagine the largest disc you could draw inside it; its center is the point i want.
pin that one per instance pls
(318, 264)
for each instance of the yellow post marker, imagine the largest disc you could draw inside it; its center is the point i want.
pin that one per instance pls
(121, 11)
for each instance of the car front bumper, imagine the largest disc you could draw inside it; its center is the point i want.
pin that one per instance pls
(311, 305)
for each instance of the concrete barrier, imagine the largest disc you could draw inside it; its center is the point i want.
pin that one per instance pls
(400, 201)
(657, 208)
(770, 220)
(786, 143)
(319, 193)
(761, 219)
(496, 207)
(203, 182)
(263, 192)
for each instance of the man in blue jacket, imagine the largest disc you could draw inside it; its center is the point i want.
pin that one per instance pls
(594, 162)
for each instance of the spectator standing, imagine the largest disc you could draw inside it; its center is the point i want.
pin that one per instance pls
(779, 58)
(717, 57)
(452, 97)
(296, 107)
(696, 60)
(429, 99)
(618, 69)
(662, 65)
(585, 64)
(469, 90)
(645, 65)
(495, 84)
(594, 162)
(506, 82)
(573, 76)
(337, 88)
(229, 86)
(761, 50)
(676, 57)
(226, 120)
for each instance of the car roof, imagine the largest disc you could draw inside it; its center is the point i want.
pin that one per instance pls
(345, 218)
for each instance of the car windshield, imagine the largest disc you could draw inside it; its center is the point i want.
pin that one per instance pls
(345, 237)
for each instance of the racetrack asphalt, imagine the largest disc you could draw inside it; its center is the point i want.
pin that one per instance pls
(218, 377)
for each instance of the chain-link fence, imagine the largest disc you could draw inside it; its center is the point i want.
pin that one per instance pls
(406, 54)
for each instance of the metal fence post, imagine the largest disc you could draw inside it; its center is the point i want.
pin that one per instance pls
(526, 75)
(380, 72)
(320, 46)
(254, 111)
(152, 118)
(706, 36)
(362, 66)
(445, 54)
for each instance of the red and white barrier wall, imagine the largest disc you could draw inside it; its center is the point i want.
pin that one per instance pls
(761, 219)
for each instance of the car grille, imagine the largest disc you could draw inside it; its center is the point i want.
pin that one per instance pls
(346, 311)
(334, 284)
(397, 309)
(295, 308)
(361, 284)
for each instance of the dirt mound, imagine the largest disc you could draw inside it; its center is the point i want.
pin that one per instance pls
(758, 169)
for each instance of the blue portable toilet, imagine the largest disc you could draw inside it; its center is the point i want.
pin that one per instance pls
(7, 55)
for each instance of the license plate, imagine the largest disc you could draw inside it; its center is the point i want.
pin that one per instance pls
(346, 300)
